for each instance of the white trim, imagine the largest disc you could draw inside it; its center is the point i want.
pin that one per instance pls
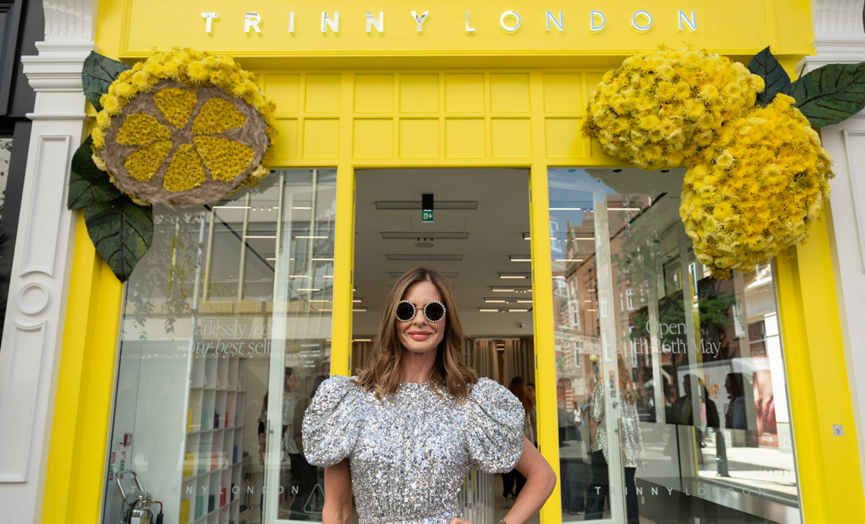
(855, 191)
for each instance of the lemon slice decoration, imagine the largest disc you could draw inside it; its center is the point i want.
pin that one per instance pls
(183, 129)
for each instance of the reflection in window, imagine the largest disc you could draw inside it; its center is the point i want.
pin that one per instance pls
(226, 334)
(692, 380)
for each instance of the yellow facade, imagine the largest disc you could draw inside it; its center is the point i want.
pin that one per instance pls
(448, 98)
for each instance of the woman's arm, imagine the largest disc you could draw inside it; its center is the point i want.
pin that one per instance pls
(540, 481)
(337, 494)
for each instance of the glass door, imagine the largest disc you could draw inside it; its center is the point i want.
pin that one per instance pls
(672, 396)
(300, 340)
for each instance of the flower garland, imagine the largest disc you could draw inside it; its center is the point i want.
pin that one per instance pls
(663, 108)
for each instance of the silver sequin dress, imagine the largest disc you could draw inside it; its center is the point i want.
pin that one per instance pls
(409, 455)
(633, 452)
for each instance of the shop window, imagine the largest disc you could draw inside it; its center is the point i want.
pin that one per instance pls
(226, 335)
(684, 417)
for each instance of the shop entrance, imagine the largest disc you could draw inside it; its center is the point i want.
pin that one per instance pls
(479, 239)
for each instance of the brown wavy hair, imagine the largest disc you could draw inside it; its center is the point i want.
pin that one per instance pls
(518, 388)
(384, 374)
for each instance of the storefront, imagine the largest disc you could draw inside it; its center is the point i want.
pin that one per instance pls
(570, 269)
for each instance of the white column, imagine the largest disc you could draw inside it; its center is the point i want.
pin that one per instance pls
(33, 327)
(839, 38)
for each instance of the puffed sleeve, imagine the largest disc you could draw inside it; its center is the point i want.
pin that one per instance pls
(332, 423)
(493, 421)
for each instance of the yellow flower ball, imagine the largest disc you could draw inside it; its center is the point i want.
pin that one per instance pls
(111, 105)
(759, 195)
(704, 88)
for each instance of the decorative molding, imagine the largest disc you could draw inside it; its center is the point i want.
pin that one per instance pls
(57, 67)
(837, 17)
(33, 298)
(839, 37)
(69, 20)
(18, 399)
(42, 225)
(857, 192)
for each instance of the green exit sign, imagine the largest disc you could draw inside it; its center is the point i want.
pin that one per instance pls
(427, 215)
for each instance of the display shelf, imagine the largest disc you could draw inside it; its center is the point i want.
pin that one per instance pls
(214, 440)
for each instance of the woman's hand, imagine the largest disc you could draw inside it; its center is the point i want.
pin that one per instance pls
(459, 521)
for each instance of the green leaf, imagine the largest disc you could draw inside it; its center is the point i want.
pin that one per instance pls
(122, 233)
(766, 66)
(98, 74)
(830, 94)
(87, 184)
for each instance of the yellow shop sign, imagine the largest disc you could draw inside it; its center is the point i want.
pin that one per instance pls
(309, 28)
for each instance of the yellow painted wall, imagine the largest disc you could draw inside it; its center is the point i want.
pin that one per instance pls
(353, 108)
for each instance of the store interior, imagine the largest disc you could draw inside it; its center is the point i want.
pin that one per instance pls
(238, 339)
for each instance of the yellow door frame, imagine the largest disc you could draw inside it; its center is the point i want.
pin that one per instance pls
(829, 474)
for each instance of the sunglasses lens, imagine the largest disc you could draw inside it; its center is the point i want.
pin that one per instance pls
(404, 312)
(434, 312)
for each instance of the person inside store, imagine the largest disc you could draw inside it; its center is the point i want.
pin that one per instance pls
(513, 481)
(631, 438)
(403, 434)
(572, 487)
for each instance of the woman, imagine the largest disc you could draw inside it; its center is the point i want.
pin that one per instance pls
(416, 419)
(510, 478)
(631, 438)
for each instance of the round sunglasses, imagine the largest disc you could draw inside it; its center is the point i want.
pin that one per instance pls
(433, 311)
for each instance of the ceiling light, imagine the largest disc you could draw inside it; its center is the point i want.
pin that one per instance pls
(356, 300)
(260, 236)
(361, 340)
(591, 310)
(524, 301)
(308, 289)
(559, 276)
(584, 238)
(298, 276)
(320, 259)
(566, 209)
(482, 310)
(623, 209)
(314, 237)
(527, 236)
(495, 301)
(512, 289)
(327, 276)
(515, 275)
(431, 235)
(272, 258)
(454, 258)
(231, 207)
(318, 300)
(416, 204)
(568, 260)
(360, 310)
(518, 311)
(520, 258)
(302, 208)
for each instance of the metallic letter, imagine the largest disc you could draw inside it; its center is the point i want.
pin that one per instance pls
(291, 22)
(560, 23)
(597, 15)
(641, 28)
(209, 17)
(469, 29)
(326, 21)
(419, 20)
(508, 28)
(251, 20)
(692, 23)
(371, 21)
